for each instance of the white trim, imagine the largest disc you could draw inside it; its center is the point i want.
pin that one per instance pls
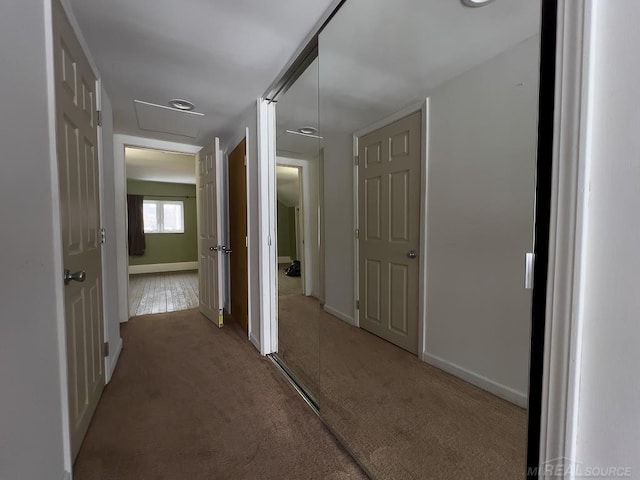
(254, 341)
(120, 173)
(162, 267)
(502, 391)
(266, 233)
(284, 260)
(114, 361)
(341, 315)
(573, 120)
(422, 107)
(250, 311)
(59, 307)
(103, 250)
(66, 475)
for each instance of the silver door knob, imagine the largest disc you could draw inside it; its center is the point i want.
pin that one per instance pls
(213, 249)
(75, 276)
(227, 250)
(412, 254)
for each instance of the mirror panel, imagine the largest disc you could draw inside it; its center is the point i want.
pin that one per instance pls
(297, 178)
(425, 325)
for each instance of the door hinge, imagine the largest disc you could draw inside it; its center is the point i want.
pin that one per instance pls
(357, 160)
(357, 233)
(357, 304)
(269, 240)
(105, 349)
(245, 160)
(246, 242)
(99, 117)
(102, 236)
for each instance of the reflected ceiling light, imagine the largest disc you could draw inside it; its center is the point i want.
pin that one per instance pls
(181, 104)
(308, 130)
(476, 3)
(302, 134)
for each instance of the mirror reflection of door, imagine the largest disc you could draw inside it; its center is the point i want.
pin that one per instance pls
(290, 251)
(298, 213)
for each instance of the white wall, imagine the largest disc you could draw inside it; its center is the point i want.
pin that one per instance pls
(109, 250)
(609, 395)
(250, 121)
(482, 157)
(31, 418)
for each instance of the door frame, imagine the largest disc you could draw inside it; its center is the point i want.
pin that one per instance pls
(422, 107)
(227, 227)
(268, 272)
(120, 142)
(303, 165)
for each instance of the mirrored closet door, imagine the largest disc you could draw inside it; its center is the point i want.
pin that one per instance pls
(429, 116)
(298, 167)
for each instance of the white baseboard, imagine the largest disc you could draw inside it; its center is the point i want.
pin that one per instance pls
(284, 260)
(254, 341)
(66, 476)
(114, 361)
(162, 267)
(342, 316)
(502, 391)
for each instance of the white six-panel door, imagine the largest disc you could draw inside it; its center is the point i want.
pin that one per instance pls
(389, 213)
(209, 233)
(77, 149)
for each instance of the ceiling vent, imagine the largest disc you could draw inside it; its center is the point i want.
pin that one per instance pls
(158, 118)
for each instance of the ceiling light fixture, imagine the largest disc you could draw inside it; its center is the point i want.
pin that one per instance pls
(298, 132)
(181, 104)
(308, 130)
(476, 3)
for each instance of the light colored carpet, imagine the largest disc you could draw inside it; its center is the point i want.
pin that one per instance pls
(401, 417)
(189, 401)
(298, 334)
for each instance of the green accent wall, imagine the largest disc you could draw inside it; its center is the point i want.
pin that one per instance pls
(286, 231)
(169, 247)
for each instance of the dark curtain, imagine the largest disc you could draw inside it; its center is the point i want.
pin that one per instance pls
(136, 225)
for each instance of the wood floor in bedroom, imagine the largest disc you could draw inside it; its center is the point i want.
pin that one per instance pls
(162, 292)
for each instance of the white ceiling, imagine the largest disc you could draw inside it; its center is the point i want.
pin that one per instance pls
(219, 54)
(158, 166)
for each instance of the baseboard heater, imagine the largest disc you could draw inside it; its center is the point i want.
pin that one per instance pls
(300, 387)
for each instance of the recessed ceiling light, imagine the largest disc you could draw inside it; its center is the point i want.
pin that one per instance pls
(476, 3)
(181, 104)
(308, 130)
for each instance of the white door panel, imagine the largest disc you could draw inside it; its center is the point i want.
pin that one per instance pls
(77, 140)
(389, 212)
(210, 233)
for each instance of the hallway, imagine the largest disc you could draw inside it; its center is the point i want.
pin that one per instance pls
(191, 401)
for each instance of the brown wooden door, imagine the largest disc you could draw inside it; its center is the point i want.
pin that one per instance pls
(77, 148)
(238, 235)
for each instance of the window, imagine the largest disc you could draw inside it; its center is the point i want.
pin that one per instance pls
(163, 216)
